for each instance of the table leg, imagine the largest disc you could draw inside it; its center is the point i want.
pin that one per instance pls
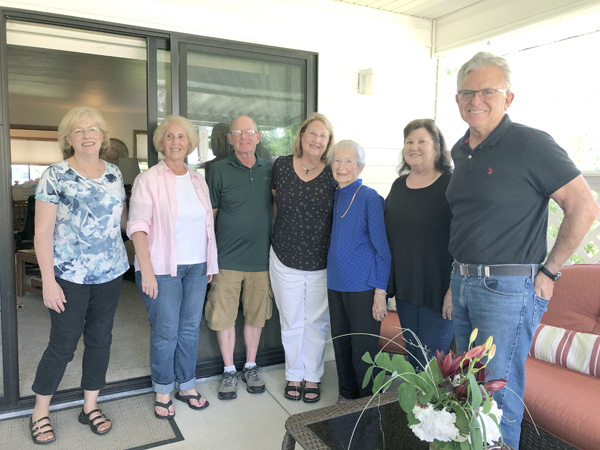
(289, 443)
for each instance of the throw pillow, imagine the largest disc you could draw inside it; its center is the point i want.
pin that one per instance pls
(570, 349)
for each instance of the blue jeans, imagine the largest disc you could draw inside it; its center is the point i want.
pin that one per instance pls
(434, 332)
(175, 316)
(507, 309)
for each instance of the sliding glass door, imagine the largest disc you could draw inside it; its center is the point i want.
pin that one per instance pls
(276, 88)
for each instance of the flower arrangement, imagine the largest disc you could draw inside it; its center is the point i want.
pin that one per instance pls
(449, 404)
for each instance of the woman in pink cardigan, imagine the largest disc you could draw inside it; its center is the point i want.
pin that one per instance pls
(171, 225)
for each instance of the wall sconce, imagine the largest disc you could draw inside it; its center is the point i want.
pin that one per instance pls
(366, 81)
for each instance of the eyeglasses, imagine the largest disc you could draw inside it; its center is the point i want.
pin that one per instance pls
(318, 137)
(246, 132)
(78, 132)
(345, 162)
(487, 94)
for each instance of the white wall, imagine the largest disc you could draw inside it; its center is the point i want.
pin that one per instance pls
(348, 38)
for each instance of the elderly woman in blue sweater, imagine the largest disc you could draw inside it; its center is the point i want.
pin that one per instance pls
(358, 269)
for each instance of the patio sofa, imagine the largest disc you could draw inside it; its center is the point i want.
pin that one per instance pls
(562, 390)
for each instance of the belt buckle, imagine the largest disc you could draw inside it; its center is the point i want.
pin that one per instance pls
(464, 270)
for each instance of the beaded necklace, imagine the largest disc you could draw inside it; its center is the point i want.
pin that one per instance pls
(347, 209)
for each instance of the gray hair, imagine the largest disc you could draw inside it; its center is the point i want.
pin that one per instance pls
(360, 152)
(481, 60)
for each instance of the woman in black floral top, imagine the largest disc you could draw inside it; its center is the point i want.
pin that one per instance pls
(303, 187)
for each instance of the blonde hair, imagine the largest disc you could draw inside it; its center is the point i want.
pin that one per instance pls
(297, 147)
(74, 117)
(161, 130)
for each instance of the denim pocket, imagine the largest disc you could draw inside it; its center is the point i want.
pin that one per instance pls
(540, 306)
(505, 286)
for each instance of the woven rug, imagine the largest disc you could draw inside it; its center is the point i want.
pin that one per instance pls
(134, 427)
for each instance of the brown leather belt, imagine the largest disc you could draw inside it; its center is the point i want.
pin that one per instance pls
(497, 270)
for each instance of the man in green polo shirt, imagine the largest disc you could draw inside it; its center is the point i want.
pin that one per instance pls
(240, 192)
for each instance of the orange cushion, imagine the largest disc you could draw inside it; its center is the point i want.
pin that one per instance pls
(575, 304)
(392, 330)
(563, 403)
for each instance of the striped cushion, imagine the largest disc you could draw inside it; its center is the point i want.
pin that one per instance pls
(570, 349)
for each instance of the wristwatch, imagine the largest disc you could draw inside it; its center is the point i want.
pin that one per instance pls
(552, 276)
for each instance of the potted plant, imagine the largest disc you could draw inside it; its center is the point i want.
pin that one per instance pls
(449, 403)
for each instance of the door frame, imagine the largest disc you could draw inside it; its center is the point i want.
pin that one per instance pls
(155, 40)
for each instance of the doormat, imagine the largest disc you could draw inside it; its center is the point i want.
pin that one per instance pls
(134, 428)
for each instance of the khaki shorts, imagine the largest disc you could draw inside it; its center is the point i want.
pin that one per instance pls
(223, 300)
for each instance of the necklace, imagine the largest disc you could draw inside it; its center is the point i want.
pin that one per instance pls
(308, 170)
(348, 209)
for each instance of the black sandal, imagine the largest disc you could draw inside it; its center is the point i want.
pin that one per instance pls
(187, 398)
(287, 393)
(36, 430)
(166, 406)
(316, 390)
(84, 419)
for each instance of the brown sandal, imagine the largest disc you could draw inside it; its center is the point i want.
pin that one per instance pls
(36, 430)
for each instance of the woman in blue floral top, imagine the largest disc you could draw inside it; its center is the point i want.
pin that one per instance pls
(79, 205)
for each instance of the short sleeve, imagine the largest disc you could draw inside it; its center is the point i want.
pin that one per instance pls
(548, 166)
(48, 187)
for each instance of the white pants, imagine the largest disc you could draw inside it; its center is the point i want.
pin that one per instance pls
(301, 297)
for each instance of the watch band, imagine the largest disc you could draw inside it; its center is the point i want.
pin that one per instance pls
(552, 276)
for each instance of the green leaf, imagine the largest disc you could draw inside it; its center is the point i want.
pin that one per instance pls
(410, 418)
(476, 438)
(463, 422)
(475, 392)
(401, 365)
(379, 379)
(407, 397)
(367, 377)
(367, 358)
(487, 404)
(382, 359)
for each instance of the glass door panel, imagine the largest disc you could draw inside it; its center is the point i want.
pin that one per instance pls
(222, 84)
(51, 70)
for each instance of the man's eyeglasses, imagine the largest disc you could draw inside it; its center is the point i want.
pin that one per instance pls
(487, 94)
(246, 132)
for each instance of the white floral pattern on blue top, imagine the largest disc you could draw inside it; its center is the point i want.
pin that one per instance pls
(88, 248)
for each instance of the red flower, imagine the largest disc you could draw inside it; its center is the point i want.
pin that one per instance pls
(493, 386)
(449, 364)
(461, 392)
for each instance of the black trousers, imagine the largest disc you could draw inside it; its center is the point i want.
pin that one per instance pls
(351, 313)
(90, 310)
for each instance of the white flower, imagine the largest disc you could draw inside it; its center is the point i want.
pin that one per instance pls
(491, 429)
(434, 424)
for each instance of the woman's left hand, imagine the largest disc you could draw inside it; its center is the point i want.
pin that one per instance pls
(447, 306)
(209, 279)
(380, 309)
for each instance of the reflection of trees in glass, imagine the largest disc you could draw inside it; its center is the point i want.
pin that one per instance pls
(279, 141)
